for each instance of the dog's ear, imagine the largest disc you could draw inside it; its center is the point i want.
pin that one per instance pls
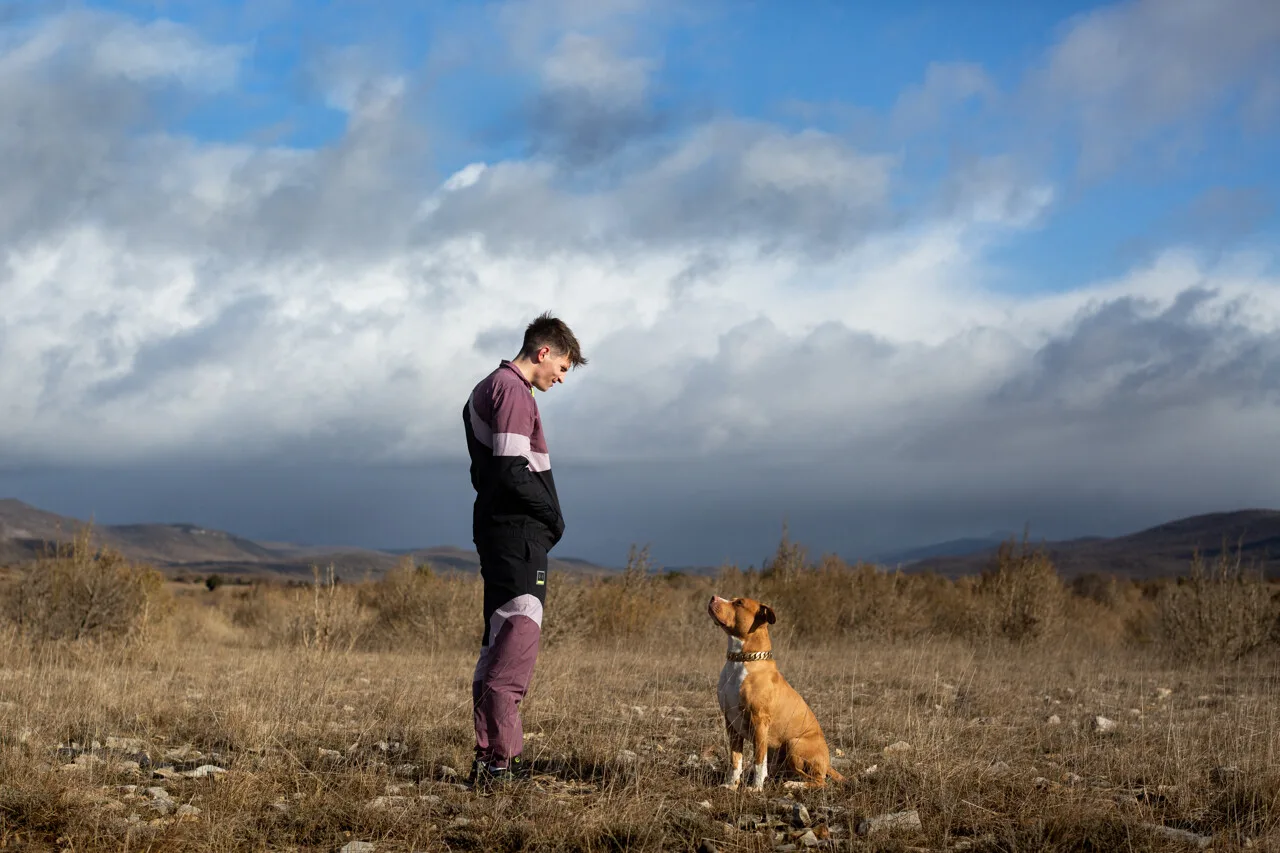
(765, 614)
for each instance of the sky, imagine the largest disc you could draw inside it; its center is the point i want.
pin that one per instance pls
(889, 274)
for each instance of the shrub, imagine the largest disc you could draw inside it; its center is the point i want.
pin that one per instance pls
(327, 617)
(415, 607)
(1219, 612)
(79, 593)
(1020, 598)
(636, 603)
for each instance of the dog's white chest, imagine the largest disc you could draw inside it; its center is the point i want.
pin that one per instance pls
(729, 690)
(730, 693)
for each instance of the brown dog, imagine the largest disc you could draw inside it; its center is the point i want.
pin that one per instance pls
(759, 705)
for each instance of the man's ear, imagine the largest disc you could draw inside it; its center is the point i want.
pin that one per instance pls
(765, 614)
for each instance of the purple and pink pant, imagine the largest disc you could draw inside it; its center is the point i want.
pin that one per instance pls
(502, 676)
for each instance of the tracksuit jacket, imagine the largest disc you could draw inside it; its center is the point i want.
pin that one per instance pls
(516, 502)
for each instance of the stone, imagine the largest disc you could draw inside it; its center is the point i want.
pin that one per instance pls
(897, 748)
(386, 802)
(1102, 725)
(204, 770)
(793, 813)
(186, 810)
(809, 840)
(891, 822)
(1054, 720)
(358, 847)
(1180, 835)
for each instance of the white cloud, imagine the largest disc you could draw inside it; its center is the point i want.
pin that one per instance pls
(163, 50)
(1135, 75)
(946, 86)
(585, 66)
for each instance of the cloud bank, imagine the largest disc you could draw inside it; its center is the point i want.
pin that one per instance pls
(772, 328)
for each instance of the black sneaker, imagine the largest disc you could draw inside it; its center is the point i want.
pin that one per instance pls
(479, 772)
(500, 777)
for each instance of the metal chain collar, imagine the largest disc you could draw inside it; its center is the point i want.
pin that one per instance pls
(743, 657)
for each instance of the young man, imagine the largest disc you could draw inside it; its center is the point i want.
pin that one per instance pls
(515, 522)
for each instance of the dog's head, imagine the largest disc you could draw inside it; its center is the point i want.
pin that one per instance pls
(739, 616)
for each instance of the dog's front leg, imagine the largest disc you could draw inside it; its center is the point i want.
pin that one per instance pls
(760, 738)
(735, 760)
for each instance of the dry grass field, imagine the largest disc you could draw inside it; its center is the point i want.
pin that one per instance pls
(150, 716)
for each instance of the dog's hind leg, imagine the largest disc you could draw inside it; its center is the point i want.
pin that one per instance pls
(811, 762)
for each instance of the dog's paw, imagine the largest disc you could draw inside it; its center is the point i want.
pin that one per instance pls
(732, 786)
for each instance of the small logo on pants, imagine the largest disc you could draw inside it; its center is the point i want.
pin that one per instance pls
(542, 578)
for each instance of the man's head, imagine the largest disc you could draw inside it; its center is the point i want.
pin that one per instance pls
(548, 352)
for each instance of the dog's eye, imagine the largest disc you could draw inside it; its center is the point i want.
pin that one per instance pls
(737, 602)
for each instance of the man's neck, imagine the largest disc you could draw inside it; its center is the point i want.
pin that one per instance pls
(525, 367)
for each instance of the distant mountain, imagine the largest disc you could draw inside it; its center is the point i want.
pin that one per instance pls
(1166, 549)
(26, 532)
(950, 548)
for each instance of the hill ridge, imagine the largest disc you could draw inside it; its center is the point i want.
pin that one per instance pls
(187, 547)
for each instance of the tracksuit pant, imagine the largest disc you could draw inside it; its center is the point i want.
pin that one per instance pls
(515, 582)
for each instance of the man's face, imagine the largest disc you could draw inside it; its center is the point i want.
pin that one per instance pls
(550, 368)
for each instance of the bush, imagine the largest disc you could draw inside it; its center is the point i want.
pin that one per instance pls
(79, 593)
(640, 602)
(328, 617)
(417, 608)
(1021, 598)
(1220, 612)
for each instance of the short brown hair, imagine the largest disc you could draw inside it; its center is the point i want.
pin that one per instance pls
(547, 331)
